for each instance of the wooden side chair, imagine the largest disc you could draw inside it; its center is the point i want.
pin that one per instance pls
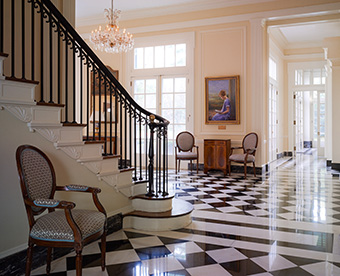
(249, 146)
(185, 143)
(68, 227)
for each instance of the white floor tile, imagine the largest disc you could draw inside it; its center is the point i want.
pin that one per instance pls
(273, 262)
(258, 213)
(237, 203)
(160, 265)
(228, 209)
(322, 269)
(181, 249)
(121, 256)
(226, 255)
(145, 242)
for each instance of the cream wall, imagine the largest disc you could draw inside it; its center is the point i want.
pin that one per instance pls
(14, 226)
(228, 41)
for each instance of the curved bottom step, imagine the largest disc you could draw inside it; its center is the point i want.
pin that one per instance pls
(178, 217)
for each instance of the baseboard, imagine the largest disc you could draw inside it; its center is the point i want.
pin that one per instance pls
(335, 166)
(15, 263)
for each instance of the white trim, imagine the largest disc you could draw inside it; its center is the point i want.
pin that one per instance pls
(13, 250)
(275, 14)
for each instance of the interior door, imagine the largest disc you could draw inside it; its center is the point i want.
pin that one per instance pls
(319, 111)
(298, 121)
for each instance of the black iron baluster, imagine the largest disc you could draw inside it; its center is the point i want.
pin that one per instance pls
(125, 134)
(74, 82)
(59, 64)
(146, 150)
(164, 161)
(140, 146)
(116, 119)
(93, 101)
(121, 131)
(130, 134)
(157, 153)
(13, 40)
(32, 40)
(105, 117)
(66, 78)
(41, 55)
(88, 99)
(100, 104)
(51, 62)
(160, 160)
(81, 86)
(1, 26)
(111, 113)
(135, 144)
(23, 38)
(151, 157)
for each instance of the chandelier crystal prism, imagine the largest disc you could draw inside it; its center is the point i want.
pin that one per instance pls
(111, 40)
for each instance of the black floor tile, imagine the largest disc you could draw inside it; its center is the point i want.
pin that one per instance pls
(118, 245)
(196, 259)
(207, 246)
(242, 267)
(126, 269)
(290, 272)
(171, 241)
(173, 273)
(90, 260)
(152, 252)
(131, 235)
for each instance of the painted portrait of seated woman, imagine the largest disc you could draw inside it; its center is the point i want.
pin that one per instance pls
(224, 113)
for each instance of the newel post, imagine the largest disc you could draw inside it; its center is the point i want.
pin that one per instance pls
(152, 126)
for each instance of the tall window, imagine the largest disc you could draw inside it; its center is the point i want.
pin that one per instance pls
(273, 95)
(161, 73)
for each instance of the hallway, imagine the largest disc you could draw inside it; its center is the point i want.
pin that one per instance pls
(287, 223)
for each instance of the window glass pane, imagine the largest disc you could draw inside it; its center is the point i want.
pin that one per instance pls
(167, 100)
(139, 58)
(148, 60)
(171, 132)
(150, 101)
(171, 147)
(178, 129)
(150, 86)
(180, 100)
(272, 68)
(306, 77)
(316, 76)
(179, 116)
(180, 84)
(139, 86)
(168, 85)
(169, 55)
(140, 100)
(323, 76)
(159, 56)
(180, 54)
(168, 114)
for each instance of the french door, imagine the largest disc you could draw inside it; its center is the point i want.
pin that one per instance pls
(167, 96)
(319, 113)
(298, 121)
(272, 122)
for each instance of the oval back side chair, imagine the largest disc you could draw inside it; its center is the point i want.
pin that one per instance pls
(249, 146)
(67, 227)
(185, 143)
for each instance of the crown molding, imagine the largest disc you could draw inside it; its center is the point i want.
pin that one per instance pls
(167, 10)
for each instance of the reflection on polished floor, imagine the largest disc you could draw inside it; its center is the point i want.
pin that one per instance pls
(286, 223)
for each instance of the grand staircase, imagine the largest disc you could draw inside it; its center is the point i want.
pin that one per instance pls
(133, 163)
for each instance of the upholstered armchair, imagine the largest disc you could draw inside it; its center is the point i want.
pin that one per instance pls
(185, 143)
(62, 225)
(249, 146)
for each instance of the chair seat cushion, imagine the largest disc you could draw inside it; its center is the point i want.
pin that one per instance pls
(240, 158)
(186, 155)
(54, 227)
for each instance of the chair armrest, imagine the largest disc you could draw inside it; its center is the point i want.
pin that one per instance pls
(50, 203)
(84, 189)
(234, 148)
(251, 150)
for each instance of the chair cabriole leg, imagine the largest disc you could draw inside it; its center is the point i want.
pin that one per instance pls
(29, 259)
(78, 263)
(48, 261)
(254, 169)
(103, 249)
(245, 171)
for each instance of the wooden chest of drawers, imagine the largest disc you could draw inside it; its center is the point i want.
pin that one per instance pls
(216, 154)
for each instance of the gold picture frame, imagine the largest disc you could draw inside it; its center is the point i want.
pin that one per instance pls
(222, 100)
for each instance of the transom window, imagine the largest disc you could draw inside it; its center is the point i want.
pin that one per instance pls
(310, 76)
(162, 56)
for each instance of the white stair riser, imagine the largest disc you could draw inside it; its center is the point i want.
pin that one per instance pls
(119, 180)
(136, 189)
(109, 165)
(17, 92)
(156, 224)
(152, 205)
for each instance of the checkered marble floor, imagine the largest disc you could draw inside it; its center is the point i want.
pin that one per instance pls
(285, 223)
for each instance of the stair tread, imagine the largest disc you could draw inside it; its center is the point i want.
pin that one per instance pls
(179, 208)
(111, 156)
(127, 169)
(143, 196)
(3, 54)
(21, 80)
(74, 125)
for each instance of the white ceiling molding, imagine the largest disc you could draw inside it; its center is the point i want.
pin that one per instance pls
(166, 9)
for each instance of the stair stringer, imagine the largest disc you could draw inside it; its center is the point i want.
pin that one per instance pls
(18, 99)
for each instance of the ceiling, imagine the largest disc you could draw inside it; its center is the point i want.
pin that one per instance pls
(303, 34)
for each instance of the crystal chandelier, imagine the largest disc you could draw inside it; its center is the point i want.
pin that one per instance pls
(111, 40)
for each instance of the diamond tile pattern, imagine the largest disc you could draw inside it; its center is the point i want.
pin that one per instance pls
(283, 223)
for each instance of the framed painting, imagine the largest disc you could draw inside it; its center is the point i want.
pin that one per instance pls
(222, 100)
